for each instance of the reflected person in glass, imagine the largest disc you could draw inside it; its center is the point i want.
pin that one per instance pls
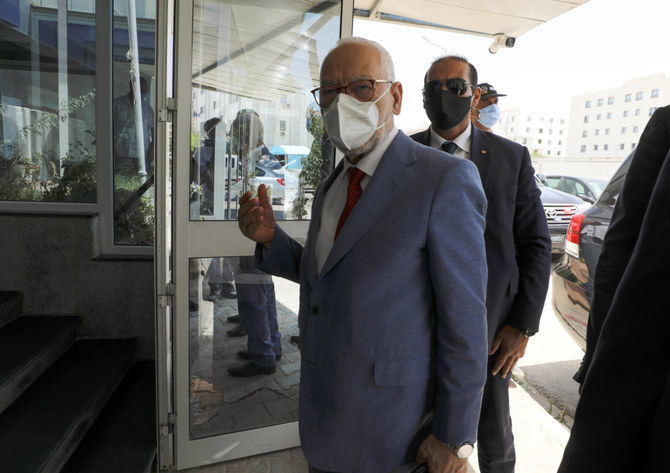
(255, 290)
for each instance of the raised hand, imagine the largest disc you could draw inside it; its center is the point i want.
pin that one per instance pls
(256, 218)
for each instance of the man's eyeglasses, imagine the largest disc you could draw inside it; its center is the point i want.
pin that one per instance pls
(456, 86)
(362, 90)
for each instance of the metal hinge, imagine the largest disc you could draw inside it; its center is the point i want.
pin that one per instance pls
(165, 114)
(165, 430)
(165, 300)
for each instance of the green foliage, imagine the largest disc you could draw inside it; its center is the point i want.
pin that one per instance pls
(135, 225)
(310, 176)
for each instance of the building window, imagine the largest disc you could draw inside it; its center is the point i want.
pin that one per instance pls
(652, 110)
(539, 142)
(632, 145)
(558, 153)
(595, 147)
(600, 102)
(607, 131)
(527, 130)
(551, 120)
(637, 112)
(622, 146)
(605, 147)
(609, 115)
(562, 122)
(582, 149)
(654, 93)
(598, 117)
(588, 104)
(586, 119)
(597, 132)
(540, 130)
(636, 129)
(560, 142)
(628, 97)
(548, 152)
(625, 113)
(639, 95)
(623, 130)
(551, 131)
(585, 134)
(610, 100)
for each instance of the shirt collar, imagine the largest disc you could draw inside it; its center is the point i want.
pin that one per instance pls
(463, 140)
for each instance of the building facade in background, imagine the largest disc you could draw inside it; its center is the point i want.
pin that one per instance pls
(544, 136)
(608, 123)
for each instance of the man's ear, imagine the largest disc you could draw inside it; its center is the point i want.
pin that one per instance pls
(396, 93)
(477, 95)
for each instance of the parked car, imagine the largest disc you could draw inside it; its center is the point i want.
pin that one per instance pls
(586, 188)
(559, 208)
(572, 279)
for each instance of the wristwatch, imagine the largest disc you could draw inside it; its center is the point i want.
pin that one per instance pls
(527, 332)
(462, 452)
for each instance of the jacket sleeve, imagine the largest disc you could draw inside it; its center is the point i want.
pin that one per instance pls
(533, 250)
(282, 258)
(625, 226)
(457, 264)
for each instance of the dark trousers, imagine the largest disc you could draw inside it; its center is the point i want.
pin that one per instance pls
(495, 441)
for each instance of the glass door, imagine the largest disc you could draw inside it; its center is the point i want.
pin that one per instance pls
(244, 116)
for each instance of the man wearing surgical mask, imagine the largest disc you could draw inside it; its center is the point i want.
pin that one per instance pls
(518, 247)
(392, 311)
(486, 114)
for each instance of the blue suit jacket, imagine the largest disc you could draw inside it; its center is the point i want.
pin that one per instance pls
(518, 246)
(393, 328)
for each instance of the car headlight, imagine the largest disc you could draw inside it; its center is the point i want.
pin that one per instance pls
(581, 208)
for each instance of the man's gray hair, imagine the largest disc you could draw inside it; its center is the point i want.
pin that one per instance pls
(387, 61)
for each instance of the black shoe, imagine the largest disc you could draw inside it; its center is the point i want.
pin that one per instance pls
(295, 340)
(228, 291)
(234, 319)
(250, 369)
(245, 355)
(214, 295)
(238, 331)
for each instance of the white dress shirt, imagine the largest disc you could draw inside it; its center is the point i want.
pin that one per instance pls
(336, 197)
(462, 141)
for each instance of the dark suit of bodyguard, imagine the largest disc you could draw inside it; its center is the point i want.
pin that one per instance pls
(518, 246)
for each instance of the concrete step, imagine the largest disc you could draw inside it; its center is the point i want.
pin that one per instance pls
(10, 306)
(28, 346)
(123, 438)
(42, 428)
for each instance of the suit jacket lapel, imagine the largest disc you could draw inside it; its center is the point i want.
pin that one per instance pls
(389, 180)
(481, 154)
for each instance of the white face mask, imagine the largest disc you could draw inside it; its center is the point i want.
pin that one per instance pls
(350, 123)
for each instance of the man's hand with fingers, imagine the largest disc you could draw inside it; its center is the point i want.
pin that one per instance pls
(256, 218)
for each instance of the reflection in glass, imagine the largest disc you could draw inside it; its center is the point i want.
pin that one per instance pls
(133, 120)
(47, 103)
(258, 64)
(244, 370)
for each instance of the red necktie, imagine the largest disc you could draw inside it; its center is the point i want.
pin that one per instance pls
(354, 191)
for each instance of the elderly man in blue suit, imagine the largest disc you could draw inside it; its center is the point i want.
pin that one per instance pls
(518, 246)
(392, 289)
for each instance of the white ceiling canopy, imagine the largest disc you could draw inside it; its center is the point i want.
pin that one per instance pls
(508, 18)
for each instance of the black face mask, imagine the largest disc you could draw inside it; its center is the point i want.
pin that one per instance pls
(445, 109)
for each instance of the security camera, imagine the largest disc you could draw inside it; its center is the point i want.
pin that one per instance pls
(501, 41)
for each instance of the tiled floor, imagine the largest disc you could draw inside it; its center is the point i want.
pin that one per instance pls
(221, 403)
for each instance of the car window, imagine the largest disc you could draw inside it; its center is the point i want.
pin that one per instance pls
(552, 182)
(260, 171)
